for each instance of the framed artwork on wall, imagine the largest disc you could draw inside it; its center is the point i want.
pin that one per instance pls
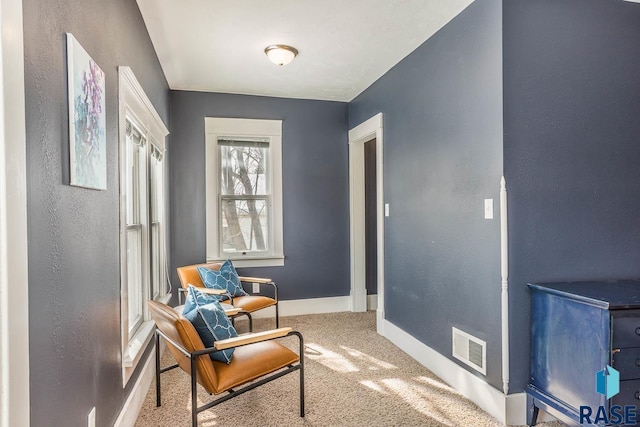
(87, 119)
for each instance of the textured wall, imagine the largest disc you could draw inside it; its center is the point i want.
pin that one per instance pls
(315, 187)
(572, 160)
(74, 266)
(442, 108)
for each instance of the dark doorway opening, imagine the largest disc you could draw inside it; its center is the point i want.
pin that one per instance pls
(370, 225)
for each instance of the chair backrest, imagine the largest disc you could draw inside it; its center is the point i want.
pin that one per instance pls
(182, 332)
(189, 275)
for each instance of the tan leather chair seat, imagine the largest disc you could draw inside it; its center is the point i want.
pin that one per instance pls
(252, 303)
(251, 362)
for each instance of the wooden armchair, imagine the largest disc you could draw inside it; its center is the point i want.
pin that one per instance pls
(257, 359)
(189, 275)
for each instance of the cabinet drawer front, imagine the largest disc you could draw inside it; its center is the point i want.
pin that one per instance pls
(627, 362)
(626, 331)
(629, 394)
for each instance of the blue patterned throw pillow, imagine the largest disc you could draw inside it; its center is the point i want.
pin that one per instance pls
(211, 323)
(226, 279)
(195, 298)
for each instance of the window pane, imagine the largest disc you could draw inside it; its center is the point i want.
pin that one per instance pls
(134, 277)
(132, 183)
(156, 261)
(244, 225)
(155, 204)
(243, 170)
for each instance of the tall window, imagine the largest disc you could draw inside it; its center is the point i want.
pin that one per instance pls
(136, 171)
(156, 221)
(142, 201)
(244, 191)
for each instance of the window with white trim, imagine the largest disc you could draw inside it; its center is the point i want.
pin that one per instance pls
(244, 191)
(142, 217)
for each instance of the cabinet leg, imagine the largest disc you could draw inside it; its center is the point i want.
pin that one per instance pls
(532, 412)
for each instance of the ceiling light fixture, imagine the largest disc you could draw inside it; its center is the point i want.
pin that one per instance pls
(281, 54)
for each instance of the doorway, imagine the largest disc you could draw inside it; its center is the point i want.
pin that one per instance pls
(370, 221)
(370, 130)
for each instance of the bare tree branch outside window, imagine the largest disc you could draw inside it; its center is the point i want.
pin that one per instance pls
(244, 194)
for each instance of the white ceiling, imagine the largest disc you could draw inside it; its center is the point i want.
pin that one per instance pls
(344, 45)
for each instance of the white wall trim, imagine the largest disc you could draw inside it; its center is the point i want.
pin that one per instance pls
(14, 283)
(216, 127)
(372, 302)
(504, 284)
(132, 101)
(506, 409)
(133, 404)
(298, 307)
(369, 129)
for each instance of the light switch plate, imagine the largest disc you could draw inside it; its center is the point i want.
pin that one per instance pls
(256, 288)
(386, 209)
(488, 208)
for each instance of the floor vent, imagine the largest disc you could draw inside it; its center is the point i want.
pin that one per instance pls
(470, 350)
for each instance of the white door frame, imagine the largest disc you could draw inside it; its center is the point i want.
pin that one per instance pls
(360, 134)
(14, 290)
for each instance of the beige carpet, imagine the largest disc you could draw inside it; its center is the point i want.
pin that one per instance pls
(353, 377)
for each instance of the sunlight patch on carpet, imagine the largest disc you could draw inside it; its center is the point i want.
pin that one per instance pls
(330, 359)
(435, 383)
(418, 400)
(373, 386)
(370, 359)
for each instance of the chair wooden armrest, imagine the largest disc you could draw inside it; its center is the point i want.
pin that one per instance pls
(251, 338)
(262, 280)
(203, 289)
(210, 291)
(231, 311)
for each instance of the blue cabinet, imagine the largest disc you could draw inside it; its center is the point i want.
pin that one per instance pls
(577, 329)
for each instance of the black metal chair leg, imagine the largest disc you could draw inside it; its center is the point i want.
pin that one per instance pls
(301, 353)
(250, 321)
(194, 396)
(277, 316)
(158, 400)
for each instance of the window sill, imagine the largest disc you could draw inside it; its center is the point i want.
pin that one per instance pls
(137, 345)
(253, 261)
(134, 351)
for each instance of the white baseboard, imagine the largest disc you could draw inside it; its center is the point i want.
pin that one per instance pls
(508, 410)
(298, 307)
(131, 409)
(372, 302)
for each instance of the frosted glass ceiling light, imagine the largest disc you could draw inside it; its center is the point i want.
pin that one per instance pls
(281, 54)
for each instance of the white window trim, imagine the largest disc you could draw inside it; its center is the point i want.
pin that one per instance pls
(229, 127)
(135, 103)
(14, 280)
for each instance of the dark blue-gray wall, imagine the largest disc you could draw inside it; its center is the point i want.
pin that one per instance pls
(442, 110)
(315, 187)
(571, 148)
(74, 261)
